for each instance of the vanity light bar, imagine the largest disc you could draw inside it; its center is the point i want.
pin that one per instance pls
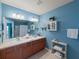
(17, 16)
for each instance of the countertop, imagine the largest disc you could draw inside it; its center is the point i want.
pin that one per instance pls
(17, 41)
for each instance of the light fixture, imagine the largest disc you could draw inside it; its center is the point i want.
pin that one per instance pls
(17, 16)
(22, 17)
(14, 15)
(33, 19)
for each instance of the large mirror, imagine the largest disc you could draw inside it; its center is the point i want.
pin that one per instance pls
(16, 28)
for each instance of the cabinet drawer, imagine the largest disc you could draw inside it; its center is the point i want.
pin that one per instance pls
(8, 50)
(35, 42)
(42, 40)
(26, 45)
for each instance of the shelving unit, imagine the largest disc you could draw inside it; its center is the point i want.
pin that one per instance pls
(52, 26)
(59, 49)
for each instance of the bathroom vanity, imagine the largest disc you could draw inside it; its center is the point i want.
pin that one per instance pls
(21, 49)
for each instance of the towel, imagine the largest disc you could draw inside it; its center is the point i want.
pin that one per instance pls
(72, 33)
(58, 48)
(58, 55)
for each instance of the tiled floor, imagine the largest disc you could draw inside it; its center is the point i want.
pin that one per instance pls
(44, 54)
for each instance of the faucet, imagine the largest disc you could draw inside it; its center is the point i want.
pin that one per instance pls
(17, 38)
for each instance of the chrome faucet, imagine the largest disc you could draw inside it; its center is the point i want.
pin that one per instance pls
(17, 38)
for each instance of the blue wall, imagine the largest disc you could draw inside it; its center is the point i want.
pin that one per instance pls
(67, 17)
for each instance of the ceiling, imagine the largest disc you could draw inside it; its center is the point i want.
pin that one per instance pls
(32, 6)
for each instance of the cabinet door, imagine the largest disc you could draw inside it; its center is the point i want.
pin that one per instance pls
(35, 46)
(18, 51)
(10, 53)
(41, 44)
(26, 50)
(38, 45)
(0, 54)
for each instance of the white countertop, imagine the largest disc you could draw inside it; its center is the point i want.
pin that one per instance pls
(15, 41)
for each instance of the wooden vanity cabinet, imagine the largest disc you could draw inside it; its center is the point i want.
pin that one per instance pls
(23, 51)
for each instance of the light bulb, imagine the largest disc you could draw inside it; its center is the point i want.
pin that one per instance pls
(22, 17)
(14, 15)
(34, 20)
(18, 16)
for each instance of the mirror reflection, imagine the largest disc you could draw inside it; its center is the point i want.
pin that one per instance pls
(17, 28)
